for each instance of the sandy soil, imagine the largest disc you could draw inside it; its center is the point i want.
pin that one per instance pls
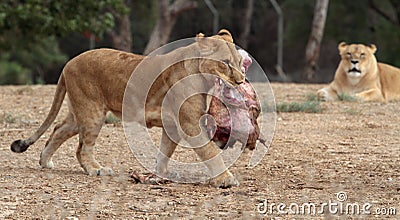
(348, 155)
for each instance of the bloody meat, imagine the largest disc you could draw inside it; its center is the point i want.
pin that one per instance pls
(239, 103)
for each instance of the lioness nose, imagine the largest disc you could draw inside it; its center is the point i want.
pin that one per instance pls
(354, 61)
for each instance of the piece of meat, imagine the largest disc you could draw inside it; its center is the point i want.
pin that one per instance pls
(147, 178)
(246, 60)
(235, 111)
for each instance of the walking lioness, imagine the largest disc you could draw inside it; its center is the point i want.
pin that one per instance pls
(95, 82)
(361, 75)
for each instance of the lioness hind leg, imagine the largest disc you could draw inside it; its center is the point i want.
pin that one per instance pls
(371, 95)
(88, 132)
(221, 175)
(61, 133)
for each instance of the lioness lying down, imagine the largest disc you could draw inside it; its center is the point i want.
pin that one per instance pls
(95, 82)
(361, 75)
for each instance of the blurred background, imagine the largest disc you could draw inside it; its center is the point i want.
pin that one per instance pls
(293, 41)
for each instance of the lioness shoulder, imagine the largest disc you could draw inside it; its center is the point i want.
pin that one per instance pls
(360, 74)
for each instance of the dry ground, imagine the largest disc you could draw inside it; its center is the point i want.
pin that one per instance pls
(350, 147)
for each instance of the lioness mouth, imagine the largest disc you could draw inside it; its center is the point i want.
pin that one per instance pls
(231, 93)
(354, 70)
(230, 81)
(239, 82)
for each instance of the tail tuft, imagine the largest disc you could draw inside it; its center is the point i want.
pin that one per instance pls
(19, 146)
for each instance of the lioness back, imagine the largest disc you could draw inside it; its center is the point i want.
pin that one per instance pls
(91, 72)
(390, 80)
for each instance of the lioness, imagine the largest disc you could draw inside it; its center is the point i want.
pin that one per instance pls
(95, 82)
(361, 75)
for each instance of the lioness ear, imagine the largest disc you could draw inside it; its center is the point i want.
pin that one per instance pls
(372, 48)
(342, 46)
(226, 35)
(206, 45)
(199, 35)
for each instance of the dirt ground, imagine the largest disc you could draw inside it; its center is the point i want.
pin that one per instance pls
(348, 155)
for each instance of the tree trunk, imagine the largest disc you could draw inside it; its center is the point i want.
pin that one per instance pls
(122, 38)
(167, 16)
(314, 41)
(246, 25)
(215, 14)
(392, 18)
(396, 7)
(279, 60)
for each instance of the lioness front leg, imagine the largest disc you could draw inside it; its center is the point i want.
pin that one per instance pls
(327, 94)
(209, 154)
(370, 95)
(167, 148)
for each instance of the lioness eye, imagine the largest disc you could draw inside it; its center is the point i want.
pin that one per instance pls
(362, 55)
(348, 54)
(226, 62)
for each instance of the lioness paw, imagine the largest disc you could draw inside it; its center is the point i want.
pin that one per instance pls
(224, 180)
(323, 95)
(361, 97)
(46, 164)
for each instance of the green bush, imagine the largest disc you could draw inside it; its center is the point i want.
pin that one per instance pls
(13, 73)
(347, 97)
(307, 107)
(112, 119)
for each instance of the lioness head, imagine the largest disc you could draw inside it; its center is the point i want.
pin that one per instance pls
(357, 59)
(222, 58)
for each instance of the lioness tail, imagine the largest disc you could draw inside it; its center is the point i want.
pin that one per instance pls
(20, 146)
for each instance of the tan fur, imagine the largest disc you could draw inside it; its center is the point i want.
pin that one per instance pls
(374, 81)
(95, 82)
